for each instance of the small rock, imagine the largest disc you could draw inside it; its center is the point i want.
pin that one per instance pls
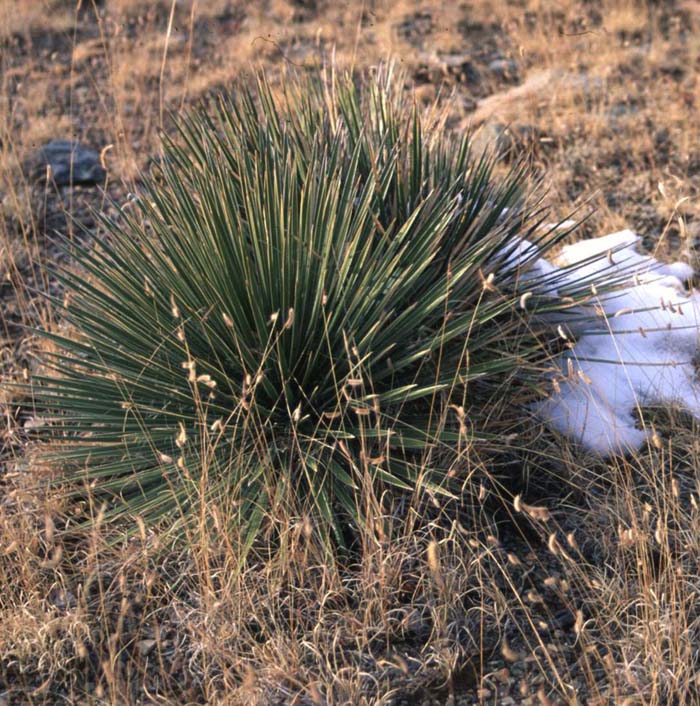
(70, 163)
(462, 67)
(504, 68)
(469, 73)
(145, 647)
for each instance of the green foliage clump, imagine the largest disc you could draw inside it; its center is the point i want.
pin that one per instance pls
(311, 297)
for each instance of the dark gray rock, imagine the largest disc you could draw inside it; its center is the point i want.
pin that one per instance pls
(504, 68)
(70, 163)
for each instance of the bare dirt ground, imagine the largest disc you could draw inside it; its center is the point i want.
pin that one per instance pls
(587, 593)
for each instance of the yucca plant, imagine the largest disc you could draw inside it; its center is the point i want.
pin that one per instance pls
(288, 311)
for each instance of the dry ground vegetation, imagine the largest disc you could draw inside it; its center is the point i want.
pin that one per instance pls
(559, 578)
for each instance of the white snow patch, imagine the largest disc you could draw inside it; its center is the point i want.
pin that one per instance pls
(640, 348)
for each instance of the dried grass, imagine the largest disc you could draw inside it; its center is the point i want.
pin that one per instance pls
(562, 580)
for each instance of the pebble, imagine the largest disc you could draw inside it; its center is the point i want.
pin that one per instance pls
(65, 156)
(504, 68)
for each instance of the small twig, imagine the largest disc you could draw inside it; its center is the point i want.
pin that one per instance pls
(279, 49)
